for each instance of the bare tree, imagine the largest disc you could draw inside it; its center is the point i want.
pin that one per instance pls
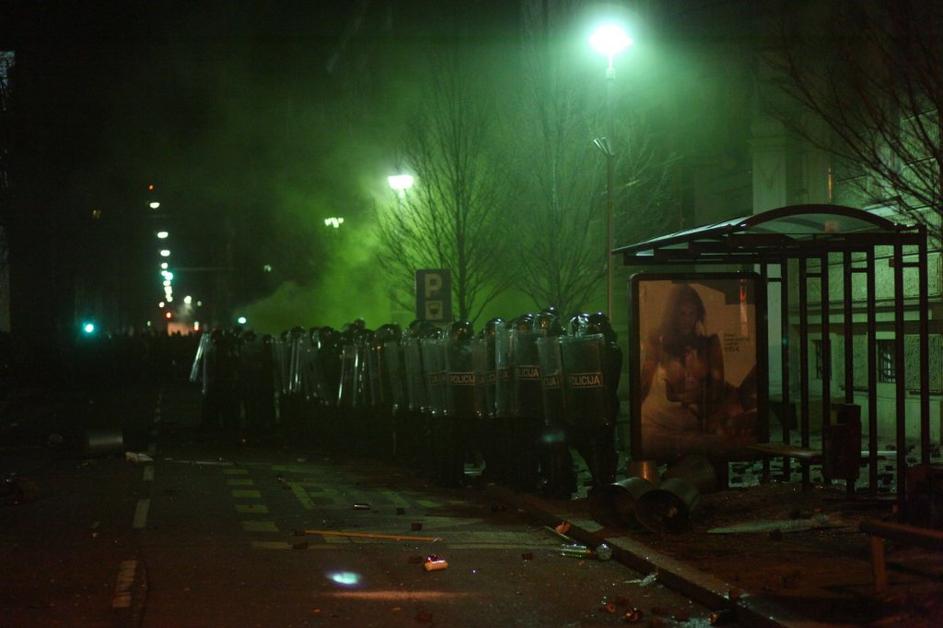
(456, 215)
(870, 73)
(563, 259)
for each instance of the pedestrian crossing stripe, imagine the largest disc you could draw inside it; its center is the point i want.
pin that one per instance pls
(259, 526)
(252, 509)
(240, 482)
(302, 496)
(247, 494)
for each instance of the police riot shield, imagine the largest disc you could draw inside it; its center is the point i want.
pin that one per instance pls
(433, 362)
(416, 385)
(551, 379)
(196, 369)
(584, 382)
(502, 360)
(460, 383)
(396, 372)
(376, 374)
(280, 352)
(526, 391)
(309, 369)
(347, 383)
(361, 388)
(295, 350)
(483, 363)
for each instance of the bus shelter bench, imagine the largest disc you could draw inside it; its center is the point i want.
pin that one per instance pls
(881, 531)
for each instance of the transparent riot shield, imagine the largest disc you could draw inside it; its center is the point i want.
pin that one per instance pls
(280, 351)
(296, 348)
(584, 382)
(483, 364)
(361, 385)
(376, 373)
(526, 390)
(309, 370)
(347, 381)
(551, 379)
(196, 368)
(503, 382)
(460, 383)
(433, 361)
(416, 385)
(396, 372)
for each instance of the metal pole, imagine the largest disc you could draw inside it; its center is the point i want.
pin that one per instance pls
(804, 365)
(610, 175)
(849, 329)
(872, 375)
(826, 352)
(900, 376)
(784, 324)
(924, 347)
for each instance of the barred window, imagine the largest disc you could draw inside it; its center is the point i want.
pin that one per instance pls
(887, 362)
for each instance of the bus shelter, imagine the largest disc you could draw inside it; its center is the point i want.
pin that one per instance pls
(812, 239)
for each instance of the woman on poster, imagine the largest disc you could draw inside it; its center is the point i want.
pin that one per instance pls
(685, 398)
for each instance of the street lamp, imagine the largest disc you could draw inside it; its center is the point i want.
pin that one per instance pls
(609, 39)
(165, 252)
(162, 235)
(400, 182)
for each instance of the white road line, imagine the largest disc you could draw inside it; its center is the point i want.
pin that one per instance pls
(122, 596)
(140, 513)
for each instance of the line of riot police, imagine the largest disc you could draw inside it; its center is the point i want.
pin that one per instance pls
(516, 396)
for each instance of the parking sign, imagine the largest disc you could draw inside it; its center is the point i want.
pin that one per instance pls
(434, 294)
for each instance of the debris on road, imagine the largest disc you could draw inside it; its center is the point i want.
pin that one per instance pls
(368, 535)
(644, 582)
(782, 525)
(633, 616)
(562, 528)
(361, 506)
(434, 562)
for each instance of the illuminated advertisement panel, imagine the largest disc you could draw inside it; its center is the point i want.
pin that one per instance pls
(698, 365)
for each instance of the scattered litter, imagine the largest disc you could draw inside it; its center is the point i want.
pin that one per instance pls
(603, 552)
(633, 616)
(434, 562)
(368, 535)
(644, 582)
(137, 456)
(361, 506)
(562, 528)
(575, 550)
(415, 526)
(783, 525)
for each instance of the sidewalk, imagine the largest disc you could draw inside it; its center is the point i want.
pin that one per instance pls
(814, 577)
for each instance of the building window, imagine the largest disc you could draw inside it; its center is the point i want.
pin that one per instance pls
(887, 363)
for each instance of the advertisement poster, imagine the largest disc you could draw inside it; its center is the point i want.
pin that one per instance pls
(698, 365)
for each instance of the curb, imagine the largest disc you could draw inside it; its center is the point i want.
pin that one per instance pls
(700, 586)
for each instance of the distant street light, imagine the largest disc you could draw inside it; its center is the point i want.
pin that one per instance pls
(163, 265)
(400, 182)
(609, 39)
(165, 252)
(88, 328)
(335, 222)
(162, 235)
(154, 204)
(161, 304)
(188, 299)
(242, 320)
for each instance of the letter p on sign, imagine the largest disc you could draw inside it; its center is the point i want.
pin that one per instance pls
(434, 294)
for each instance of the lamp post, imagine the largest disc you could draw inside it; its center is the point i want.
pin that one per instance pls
(609, 39)
(399, 183)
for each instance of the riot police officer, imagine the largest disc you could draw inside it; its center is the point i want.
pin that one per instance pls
(461, 410)
(526, 402)
(557, 475)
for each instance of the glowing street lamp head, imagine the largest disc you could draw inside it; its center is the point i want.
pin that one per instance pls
(242, 320)
(162, 235)
(163, 265)
(165, 252)
(188, 299)
(154, 205)
(88, 328)
(400, 182)
(610, 39)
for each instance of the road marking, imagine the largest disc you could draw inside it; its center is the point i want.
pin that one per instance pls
(140, 513)
(252, 509)
(122, 596)
(240, 482)
(235, 471)
(259, 526)
(302, 496)
(246, 493)
(281, 545)
(148, 474)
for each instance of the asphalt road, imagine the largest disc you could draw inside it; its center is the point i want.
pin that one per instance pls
(213, 534)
